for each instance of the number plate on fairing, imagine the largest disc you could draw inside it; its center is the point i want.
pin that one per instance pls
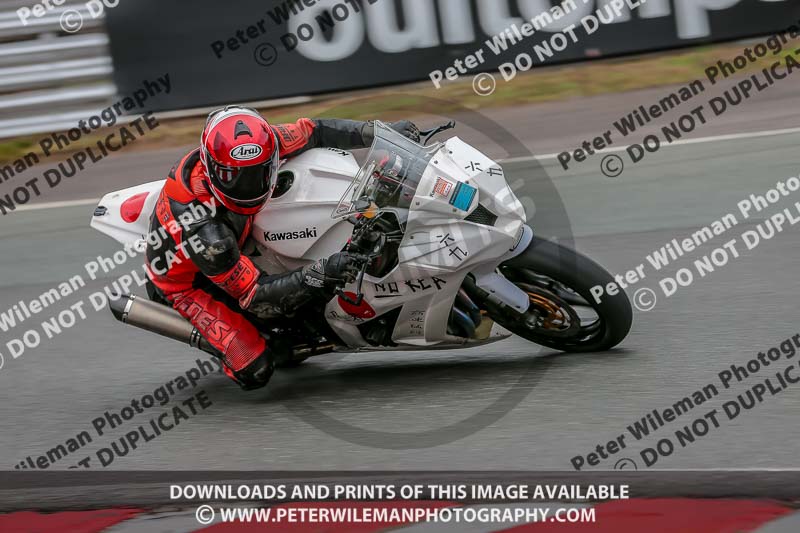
(463, 197)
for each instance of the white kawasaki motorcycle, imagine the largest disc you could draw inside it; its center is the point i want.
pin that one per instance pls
(453, 262)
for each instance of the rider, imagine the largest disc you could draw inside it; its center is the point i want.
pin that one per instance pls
(213, 285)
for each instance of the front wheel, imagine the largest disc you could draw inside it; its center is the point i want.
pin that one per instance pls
(563, 314)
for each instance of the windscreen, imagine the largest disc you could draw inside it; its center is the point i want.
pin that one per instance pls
(390, 175)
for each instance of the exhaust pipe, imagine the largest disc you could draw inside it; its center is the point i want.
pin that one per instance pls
(159, 319)
(167, 322)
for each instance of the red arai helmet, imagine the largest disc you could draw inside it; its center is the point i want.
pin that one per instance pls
(240, 153)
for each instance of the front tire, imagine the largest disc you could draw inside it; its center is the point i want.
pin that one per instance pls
(558, 281)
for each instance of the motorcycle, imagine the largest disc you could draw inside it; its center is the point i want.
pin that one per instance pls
(452, 261)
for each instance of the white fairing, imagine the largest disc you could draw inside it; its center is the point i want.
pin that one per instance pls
(111, 222)
(296, 228)
(439, 248)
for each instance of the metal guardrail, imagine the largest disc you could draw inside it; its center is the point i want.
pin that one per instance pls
(54, 74)
(11, 26)
(50, 78)
(44, 49)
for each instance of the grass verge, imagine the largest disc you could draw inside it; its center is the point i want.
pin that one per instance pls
(539, 85)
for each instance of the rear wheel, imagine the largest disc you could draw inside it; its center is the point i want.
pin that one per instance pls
(563, 314)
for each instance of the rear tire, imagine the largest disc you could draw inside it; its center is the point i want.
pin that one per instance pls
(544, 270)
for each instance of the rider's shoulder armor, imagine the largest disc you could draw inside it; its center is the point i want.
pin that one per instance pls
(221, 234)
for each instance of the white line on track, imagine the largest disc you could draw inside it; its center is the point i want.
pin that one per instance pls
(699, 140)
(56, 205)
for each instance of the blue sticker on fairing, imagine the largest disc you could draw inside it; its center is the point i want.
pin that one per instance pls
(463, 196)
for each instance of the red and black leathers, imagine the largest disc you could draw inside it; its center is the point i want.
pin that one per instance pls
(202, 258)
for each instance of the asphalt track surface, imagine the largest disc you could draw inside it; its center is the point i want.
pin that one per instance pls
(509, 406)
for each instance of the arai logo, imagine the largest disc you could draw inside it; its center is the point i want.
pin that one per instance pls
(246, 152)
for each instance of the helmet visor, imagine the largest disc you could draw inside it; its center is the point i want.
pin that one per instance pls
(249, 185)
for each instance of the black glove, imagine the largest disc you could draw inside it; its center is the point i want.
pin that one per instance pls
(404, 127)
(334, 272)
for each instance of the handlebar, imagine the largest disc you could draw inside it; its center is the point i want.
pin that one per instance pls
(427, 135)
(360, 281)
(376, 247)
(358, 299)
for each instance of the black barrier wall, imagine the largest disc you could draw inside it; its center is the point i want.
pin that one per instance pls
(221, 52)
